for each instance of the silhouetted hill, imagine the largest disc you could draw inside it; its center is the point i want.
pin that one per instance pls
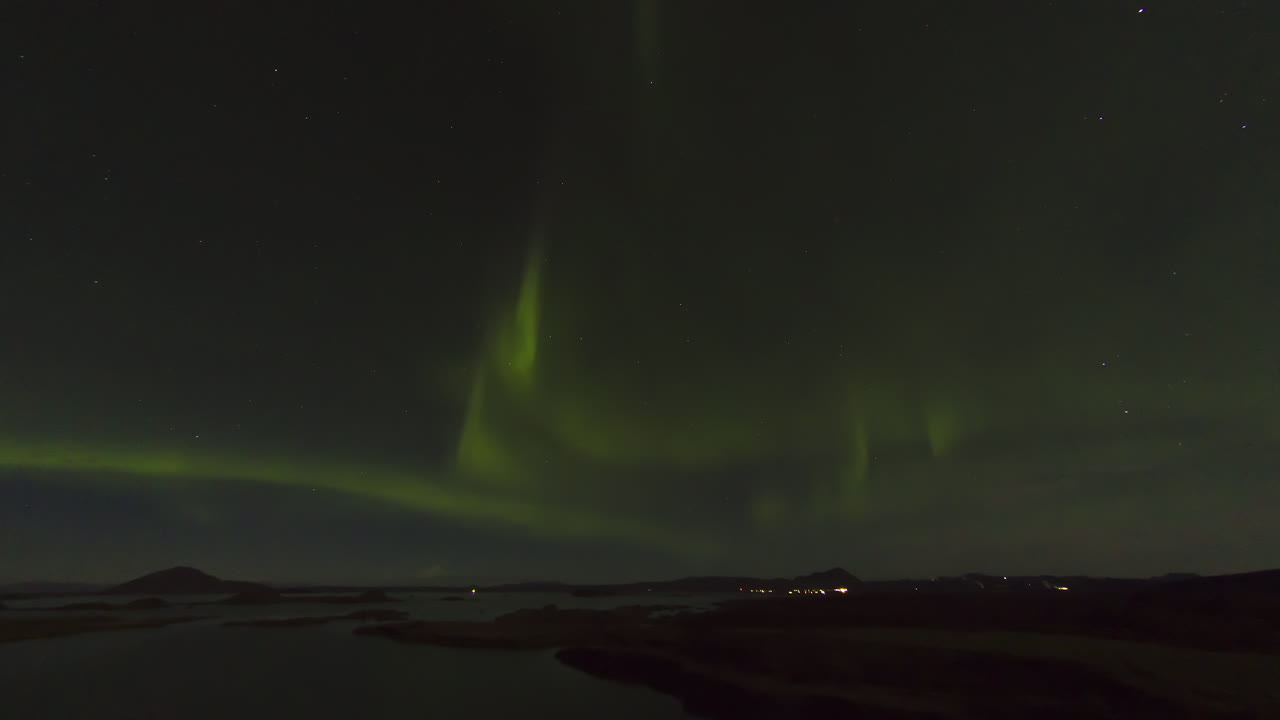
(827, 579)
(1020, 584)
(1261, 581)
(1243, 595)
(183, 581)
(833, 578)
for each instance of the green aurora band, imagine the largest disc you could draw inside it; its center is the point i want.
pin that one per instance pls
(400, 488)
(558, 439)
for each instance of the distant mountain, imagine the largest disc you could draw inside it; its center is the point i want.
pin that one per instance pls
(1259, 581)
(1242, 595)
(981, 582)
(184, 581)
(827, 579)
(833, 578)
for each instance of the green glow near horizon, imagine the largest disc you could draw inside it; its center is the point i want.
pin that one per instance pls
(399, 488)
(627, 297)
(479, 452)
(860, 465)
(520, 414)
(512, 355)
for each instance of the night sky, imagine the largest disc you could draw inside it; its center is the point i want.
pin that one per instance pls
(603, 291)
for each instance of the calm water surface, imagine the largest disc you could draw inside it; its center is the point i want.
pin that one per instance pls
(202, 670)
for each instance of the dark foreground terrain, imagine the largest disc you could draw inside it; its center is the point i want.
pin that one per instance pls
(1187, 647)
(1206, 648)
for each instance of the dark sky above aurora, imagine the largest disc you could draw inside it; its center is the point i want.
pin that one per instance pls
(613, 290)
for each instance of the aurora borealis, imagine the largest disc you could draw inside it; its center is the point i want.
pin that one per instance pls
(611, 290)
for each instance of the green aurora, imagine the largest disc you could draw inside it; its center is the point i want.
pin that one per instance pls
(841, 294)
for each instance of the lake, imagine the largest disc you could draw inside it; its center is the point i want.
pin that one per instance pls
(203, 670)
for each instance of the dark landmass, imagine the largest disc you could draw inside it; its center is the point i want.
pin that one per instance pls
(29, 629)
(836, 577)
(185, 580)
(880, 682)
(366, 615)
(275, 597)
(840, 578)
(1160, 648)
(182, 581)
(1251, 594)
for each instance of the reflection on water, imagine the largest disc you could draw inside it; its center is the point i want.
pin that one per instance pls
(202, 670)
